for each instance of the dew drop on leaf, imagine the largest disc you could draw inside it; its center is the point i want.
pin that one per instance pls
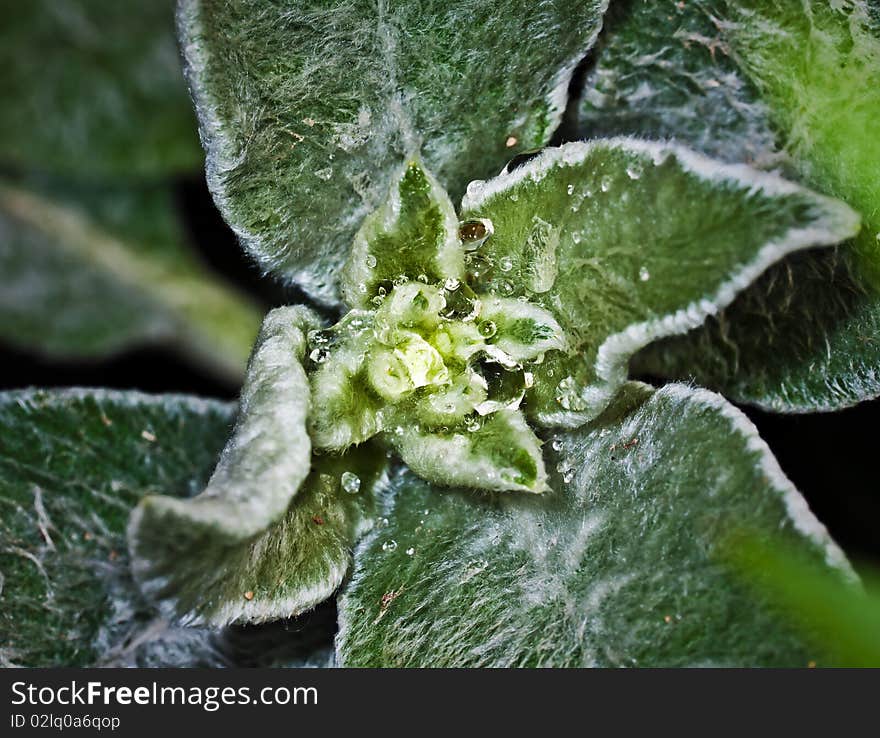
(351, 483)
(389, 545)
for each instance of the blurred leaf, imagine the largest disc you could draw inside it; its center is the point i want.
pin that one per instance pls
(840, 617)
(308, 108)
(617, 565)
(94, 88)
(88, 272)
(627, 241)
(795, 85)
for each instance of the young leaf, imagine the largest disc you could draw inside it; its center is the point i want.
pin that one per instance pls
(94, 89)
(346, 408)
(803, 75)
(654, 239)
(521, 330)
(414, 233)
(259, 472)
(621, 564)
(91, 271)
(502, 453)
(307, 109)
(72, 464)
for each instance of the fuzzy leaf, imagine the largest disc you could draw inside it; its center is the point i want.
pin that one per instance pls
(501, 454)
(72, 464)
(90, 271)
(288, 568)
(346, 409)
(521, 330)
(736, 77)
(664, 72)
(259, 472)
(619, 566)
(93, 88)
(626, 242)
(414, 233)
(307, 109)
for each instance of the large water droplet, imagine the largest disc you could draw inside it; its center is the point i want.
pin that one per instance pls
(319, 355)
(389, 545)
(474, 232)
(371, 261)
(351, 483)
(644, 274)
(505, 263)
(488, 329)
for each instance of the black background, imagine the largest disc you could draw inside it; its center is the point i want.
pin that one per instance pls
(829, 457)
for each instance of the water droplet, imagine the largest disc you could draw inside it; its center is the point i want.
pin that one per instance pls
(556, 445)
(570, 189)
(389, 545)
(371, 261)
(451, 284)
(568, 476)
(410, 551)
(528, 379)
(506, 264)
(319, 355)
(576, 237)
(324, 174)
(475, 188)
(351, 483)
(377, 300)
(513, 197)
(644, 274)
(474, 232)
(634, 171)
(423, 278)
(400, 279)
(488, 329)
(382, 523)
(605, 184)
(362, 288)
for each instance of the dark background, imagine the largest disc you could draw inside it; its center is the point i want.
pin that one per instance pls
(829, 457)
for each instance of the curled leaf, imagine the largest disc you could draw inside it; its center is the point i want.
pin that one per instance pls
(259, 472)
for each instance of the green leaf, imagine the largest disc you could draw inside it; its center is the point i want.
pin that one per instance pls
(72, 464)
(840, 617)
(93, 88)
(619, 565)
(413, 234)
(290, 567)
(664, 72)
(346, 409)
(521, 330)
(180, 545)
(625, 242)
(500, 453)
(89, 271)
(736, 80)
(307, 109)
